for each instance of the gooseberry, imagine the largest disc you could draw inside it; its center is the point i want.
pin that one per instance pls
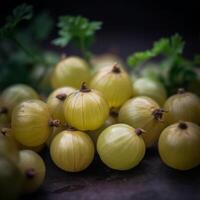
(143, 112)
(33, 168)
(14, 95)
(72, 150)
(121, 147)
(11, 180)
(8, 148)
(151, 88)
(115, 85)
(86, 109)
(183, 106)
(32, 123)
(70, 71)
(179, 145)
(56, 100)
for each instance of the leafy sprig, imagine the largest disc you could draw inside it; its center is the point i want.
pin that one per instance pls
(174, 70)
(20, 47)
(20, 13)
(165, 46)
(77, 30)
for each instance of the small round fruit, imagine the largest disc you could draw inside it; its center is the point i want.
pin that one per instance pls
(71, 71)
(179, 145)
(33, 168)
(7, 132)
(151, 71)
(145, 113)
(31, 123)
(72, 150)
(56, 100)
(16, 94)
(183, 106)
(121, 147)
(8, 148)
(86, 109)
(150, 88)
(115, 85)
(11, 180)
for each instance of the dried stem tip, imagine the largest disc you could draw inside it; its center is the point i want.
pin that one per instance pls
(4, 131)
(54, 123)
(84, 88)
(30, 173)
(158, 114)
(70, 128)
(3, 110)
(139, 131)
(116, 69)
(113, 113)
(182, 125)
(61, 96)
(181, 91)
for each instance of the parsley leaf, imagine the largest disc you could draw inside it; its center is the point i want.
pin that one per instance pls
(174, 71)
(43, 20)
(78, 30)
(22, 12)
(165, 46)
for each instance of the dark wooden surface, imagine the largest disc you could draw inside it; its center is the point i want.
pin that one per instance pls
(150, 180)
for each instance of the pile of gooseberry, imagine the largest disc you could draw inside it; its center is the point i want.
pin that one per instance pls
(104, 113)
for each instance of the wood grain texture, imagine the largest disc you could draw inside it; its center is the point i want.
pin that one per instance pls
(150, 180)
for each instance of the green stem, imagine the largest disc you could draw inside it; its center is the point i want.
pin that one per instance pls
(84, 51)
(35, 58)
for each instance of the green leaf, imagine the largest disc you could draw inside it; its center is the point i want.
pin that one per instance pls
(63, 40)
(169, 47)
(78, 30)
(140, 57)
(41, 26)
(22, 12)
(177, 44)
(161, 46)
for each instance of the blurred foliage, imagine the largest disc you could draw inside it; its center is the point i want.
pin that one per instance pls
(22, 12)
(21, 46)
(174, 71)
(78, 30)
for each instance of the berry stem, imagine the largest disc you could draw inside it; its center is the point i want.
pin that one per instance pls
(113, 113)
(30, 173)
(158, 114)
(70, 128)
(4, 131)
(139, 131)
(3, 110)
(116, 69)
(182, 125)
(84, 88)
(61, 96)
(181, 91)
(54, 123)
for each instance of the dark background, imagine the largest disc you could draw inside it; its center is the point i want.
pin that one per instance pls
(128, 26)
